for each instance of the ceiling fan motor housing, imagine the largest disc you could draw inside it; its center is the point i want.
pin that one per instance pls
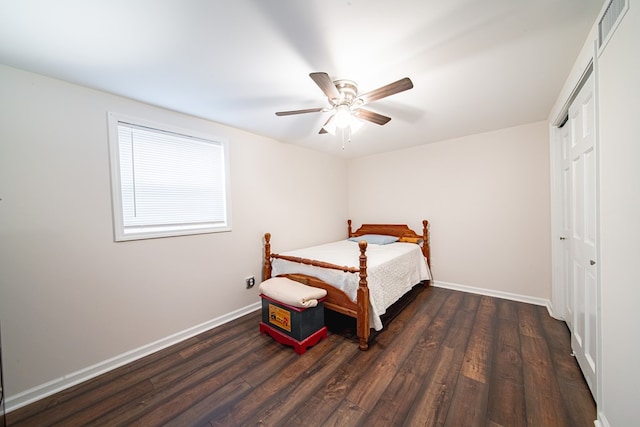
(348, 90)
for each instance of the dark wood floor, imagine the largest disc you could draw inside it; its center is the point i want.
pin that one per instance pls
(448, 358)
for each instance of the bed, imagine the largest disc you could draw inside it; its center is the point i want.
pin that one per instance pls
(363, 275)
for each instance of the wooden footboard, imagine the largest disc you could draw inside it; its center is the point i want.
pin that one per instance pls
(336, 299)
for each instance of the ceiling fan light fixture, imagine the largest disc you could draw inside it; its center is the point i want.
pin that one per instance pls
(354, 125)
(342, 117)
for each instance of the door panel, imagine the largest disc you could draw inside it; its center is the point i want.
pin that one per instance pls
(580, 167)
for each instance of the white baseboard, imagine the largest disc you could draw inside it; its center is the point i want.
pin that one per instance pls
(47, 389)
(601, 421)
(493, 293)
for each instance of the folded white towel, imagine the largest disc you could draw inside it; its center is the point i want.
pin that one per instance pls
(292, 293)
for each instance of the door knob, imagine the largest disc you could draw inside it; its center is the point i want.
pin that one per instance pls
(563, 238)
(592, 262)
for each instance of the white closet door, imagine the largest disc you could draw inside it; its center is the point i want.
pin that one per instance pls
(580, 244)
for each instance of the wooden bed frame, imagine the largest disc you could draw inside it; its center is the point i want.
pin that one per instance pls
(336, 299)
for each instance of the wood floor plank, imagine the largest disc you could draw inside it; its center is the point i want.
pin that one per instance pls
(469, 402)
(177, 380)
(542, 392)
(470, 303)
(347, 414)
(448, 358)
(394, 404)
(118, 386)
(189, 392)
(573, 387)
(327, 400)
(506, 405)
(479, 351)
(528, 318)
(397, 399)
(73, 396)
(507, 361)
(507, 310)
(366, 392)
(112, 392)
(559, 340)
(237, 413)
(432, 403)
(330, 395)
(197, 413)
(277, 411)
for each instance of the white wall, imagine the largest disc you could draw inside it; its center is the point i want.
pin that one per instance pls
(486, 197)
(619, 91)
(69, 296)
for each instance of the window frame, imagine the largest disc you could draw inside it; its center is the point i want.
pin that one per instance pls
(123, 233)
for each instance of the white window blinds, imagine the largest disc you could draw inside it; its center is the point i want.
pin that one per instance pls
(169, 183)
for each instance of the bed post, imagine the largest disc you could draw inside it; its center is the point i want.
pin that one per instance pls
(349, 227)
(363, 327)
(266, 269)
(426, 245)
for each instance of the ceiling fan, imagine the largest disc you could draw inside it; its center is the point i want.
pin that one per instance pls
(346, 104)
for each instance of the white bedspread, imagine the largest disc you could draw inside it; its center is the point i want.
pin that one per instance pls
(392, 270)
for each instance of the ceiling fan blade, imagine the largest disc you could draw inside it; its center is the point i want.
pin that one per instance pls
(372, 117)
(323, 129)
(289, 113)
(326, 84)
(387, 90)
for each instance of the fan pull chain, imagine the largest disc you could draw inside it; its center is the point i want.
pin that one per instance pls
(346, 133)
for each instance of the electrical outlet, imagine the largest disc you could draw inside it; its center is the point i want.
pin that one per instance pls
(250, 281)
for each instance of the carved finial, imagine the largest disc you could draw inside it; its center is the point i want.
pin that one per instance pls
(426, 245)
(266, 269)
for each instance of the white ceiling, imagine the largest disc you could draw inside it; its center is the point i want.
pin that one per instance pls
(476, 65)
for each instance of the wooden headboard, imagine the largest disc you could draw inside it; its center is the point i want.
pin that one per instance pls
(398, 230)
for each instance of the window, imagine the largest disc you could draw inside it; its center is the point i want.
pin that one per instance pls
(166, 182)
